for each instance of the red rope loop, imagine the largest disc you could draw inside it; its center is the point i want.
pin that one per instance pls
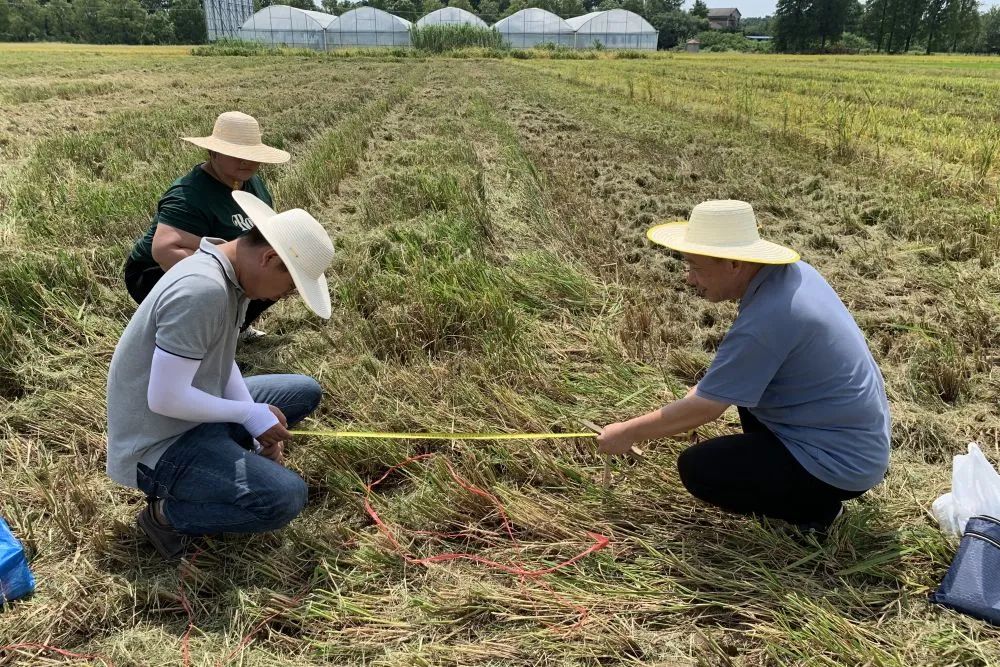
(515, 568)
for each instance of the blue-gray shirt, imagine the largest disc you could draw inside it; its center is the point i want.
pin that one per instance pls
(797, 359)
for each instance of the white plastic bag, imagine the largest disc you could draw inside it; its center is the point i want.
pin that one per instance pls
(975, 489)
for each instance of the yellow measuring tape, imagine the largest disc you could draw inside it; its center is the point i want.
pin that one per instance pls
(443, 436)
(466, 436)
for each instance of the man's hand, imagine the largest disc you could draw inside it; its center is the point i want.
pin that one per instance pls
(280, 415)
(273, 439)
(275, 452)
(680, 416)
(615, 439)
(275, 435)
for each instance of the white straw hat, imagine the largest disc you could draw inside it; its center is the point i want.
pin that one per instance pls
(238, 135)
(725, 228)
(301, 243)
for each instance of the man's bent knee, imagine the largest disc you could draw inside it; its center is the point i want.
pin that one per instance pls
(277, 506)
(312, 393)
(692, 467)
(687, 468)
(307, 395)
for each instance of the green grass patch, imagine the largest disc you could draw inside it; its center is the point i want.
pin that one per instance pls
(442, 38)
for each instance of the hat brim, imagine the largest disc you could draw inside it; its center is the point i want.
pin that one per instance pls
(671, 235)
(258, 153)
(315, 292)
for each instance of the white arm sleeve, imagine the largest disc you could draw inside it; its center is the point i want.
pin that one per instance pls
(236, 388)
(171, 394)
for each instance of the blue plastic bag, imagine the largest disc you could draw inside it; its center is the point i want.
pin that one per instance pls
(972, 584)
(15, 577)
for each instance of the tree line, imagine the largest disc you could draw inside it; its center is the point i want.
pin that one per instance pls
(888, 26)
(103, 21)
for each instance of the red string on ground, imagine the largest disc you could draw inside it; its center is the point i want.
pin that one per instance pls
(257, 628)
(59, 651)
(600, 542)
(185, 640)
(246, 639)
(516, 568)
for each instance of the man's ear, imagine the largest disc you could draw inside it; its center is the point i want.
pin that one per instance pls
(269, 257)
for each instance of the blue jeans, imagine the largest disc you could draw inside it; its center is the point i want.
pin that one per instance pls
(212, 481)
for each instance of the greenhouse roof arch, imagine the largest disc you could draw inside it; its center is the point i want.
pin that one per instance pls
(533, 26)
(368, 26)
(283, 17)
(451, 16)
(611, 20)
(369, 19)
(614, 28)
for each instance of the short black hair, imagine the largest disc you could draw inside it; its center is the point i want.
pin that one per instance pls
(255, 238)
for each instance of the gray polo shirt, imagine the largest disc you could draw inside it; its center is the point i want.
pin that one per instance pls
(194, 311)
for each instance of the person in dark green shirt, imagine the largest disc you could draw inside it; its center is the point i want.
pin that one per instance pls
(200, 204)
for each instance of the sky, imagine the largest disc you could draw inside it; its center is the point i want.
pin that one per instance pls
(750, 8)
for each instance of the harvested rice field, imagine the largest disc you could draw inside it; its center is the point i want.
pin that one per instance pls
(493, 274)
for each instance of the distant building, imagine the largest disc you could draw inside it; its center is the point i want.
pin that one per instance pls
(692, 46)
(726, 18)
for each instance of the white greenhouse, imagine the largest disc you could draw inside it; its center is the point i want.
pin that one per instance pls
(451, 16)
(367, 26)
(531, 27)
(613, 29)
(281, 25)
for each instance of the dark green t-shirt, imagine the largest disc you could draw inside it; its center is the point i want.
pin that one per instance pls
(199, 204)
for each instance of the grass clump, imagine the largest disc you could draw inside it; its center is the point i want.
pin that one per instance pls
(426, 289)
(942, 370)
(411, 193)
(241, 47)
(443, 38)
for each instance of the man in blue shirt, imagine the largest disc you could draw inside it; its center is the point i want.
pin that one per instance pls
(810, 396)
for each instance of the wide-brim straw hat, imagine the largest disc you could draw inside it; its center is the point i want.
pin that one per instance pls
(725, 229)
(301, 243)
(238, 135)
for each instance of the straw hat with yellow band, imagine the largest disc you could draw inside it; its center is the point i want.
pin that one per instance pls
(238, 135)
(725, 229)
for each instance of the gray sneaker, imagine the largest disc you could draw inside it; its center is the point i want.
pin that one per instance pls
(168, 542)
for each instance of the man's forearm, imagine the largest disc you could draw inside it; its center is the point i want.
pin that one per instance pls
(678, 417)
(236, 386)
(170, 393)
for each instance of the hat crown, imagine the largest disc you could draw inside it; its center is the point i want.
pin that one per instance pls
(238, 128)
(303, 240)
(722, 222)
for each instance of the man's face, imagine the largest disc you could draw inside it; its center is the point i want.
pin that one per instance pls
(233, 168)
(714, 279)
(270, 280)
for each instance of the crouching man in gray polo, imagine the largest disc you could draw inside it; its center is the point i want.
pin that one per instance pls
(204, 444)
(810, 396)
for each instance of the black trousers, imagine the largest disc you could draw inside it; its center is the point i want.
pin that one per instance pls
(140, 279)
(755, 474)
